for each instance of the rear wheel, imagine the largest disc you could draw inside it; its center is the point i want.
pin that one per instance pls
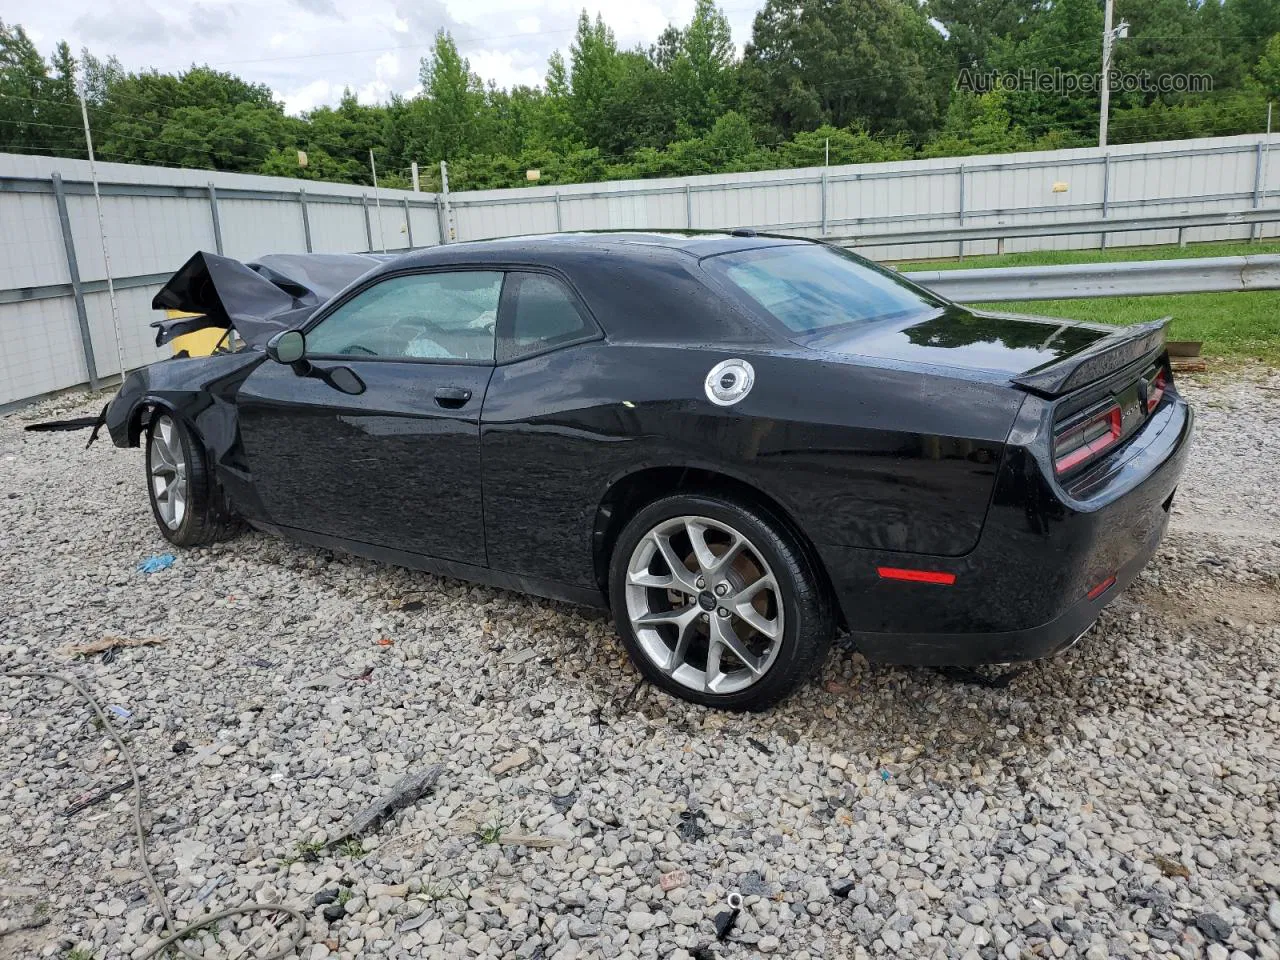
(190, 508)
(718, 603)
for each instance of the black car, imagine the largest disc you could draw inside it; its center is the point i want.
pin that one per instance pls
(739, 443)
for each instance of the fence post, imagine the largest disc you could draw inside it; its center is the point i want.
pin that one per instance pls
(217, 224)
(1256, 229)
(1106, 193)
(961, 169)
(559, 227)
(408, 222)
(446, 232)
(688, 207)
(73, 271)
(306, 218)
(824, 202)
(368, 227)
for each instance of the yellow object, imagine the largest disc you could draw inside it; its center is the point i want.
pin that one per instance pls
(198, 343)
(1060, 187)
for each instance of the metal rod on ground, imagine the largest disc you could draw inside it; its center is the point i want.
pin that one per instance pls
(102, 232)
(377, 201)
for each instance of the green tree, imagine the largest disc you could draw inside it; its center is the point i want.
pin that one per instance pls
(453, 102)
(703, 78)
(976, 28)
(840, 62)
(1267, 69)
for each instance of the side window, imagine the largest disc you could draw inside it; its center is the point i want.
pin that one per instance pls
(540, 312)
(421, 316)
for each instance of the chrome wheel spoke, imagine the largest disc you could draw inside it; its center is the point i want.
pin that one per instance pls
(723, 636)
(681, 577)
(702, 554)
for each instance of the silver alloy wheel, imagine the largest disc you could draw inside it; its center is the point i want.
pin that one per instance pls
(704, 605)
(167, 467)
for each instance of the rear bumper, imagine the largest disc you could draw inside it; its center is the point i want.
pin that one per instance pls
(1024, 592)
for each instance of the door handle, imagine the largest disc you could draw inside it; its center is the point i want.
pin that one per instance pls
(452, 397)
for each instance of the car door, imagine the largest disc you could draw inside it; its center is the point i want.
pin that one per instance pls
(398, 464)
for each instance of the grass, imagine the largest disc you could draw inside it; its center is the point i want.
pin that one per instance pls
(490, 833)
(1237, 326)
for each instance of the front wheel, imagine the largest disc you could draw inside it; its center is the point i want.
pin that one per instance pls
(718, 603)
(189, 506)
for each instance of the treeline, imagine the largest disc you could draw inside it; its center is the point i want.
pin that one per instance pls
(839, 80)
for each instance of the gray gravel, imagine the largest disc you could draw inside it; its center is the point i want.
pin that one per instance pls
(1119, 800)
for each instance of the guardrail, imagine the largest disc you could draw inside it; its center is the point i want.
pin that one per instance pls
(1180, 222)
(1078, 280)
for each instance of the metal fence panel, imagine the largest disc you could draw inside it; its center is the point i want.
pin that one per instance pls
(31, 251)
(41, 348)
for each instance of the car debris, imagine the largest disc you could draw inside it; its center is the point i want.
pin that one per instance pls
(407, 790)
(161, 561)
(725, 920)
(94, 799)
(690, 828)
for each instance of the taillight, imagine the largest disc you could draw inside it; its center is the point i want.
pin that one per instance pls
(1084, 437)
(1156, 382)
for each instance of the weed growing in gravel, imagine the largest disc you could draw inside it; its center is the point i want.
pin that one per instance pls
(78, 954)
(352, 848)
(344, 896)
(439, 891)
(491, 833)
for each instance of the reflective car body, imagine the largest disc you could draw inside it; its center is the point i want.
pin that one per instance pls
(913, 453)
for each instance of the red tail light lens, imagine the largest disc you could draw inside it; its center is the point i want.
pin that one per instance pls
(1156, 383)
(1087, 436)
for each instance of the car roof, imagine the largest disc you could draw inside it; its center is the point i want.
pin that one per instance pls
(571, 246)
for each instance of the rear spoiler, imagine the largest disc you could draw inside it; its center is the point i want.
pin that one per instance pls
(1108, 355)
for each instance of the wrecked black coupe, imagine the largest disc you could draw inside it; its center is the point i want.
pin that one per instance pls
(738, 443)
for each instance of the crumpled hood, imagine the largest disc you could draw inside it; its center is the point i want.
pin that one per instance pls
(259, 299)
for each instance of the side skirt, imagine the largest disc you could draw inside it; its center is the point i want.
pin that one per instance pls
(549, 589)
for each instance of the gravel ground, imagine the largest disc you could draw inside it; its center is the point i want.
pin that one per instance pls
(1119, 800)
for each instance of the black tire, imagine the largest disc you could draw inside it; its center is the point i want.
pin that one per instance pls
(808, 624)
(207, 517)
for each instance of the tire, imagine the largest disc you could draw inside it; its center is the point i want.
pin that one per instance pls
(774, 603)
(189, 506)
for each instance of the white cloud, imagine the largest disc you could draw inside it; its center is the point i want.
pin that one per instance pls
(310, 50)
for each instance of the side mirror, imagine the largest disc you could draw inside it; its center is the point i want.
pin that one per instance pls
(288, 346)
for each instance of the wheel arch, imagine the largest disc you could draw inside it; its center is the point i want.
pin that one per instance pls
(633, 491)
(142, 412)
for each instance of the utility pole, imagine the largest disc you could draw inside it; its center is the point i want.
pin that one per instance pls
(1109, 37)
(1106, 73)
(102, 230)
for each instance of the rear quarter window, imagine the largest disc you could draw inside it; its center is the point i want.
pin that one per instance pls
(811, 288)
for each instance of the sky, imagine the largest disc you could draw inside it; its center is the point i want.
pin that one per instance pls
(307, 51)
